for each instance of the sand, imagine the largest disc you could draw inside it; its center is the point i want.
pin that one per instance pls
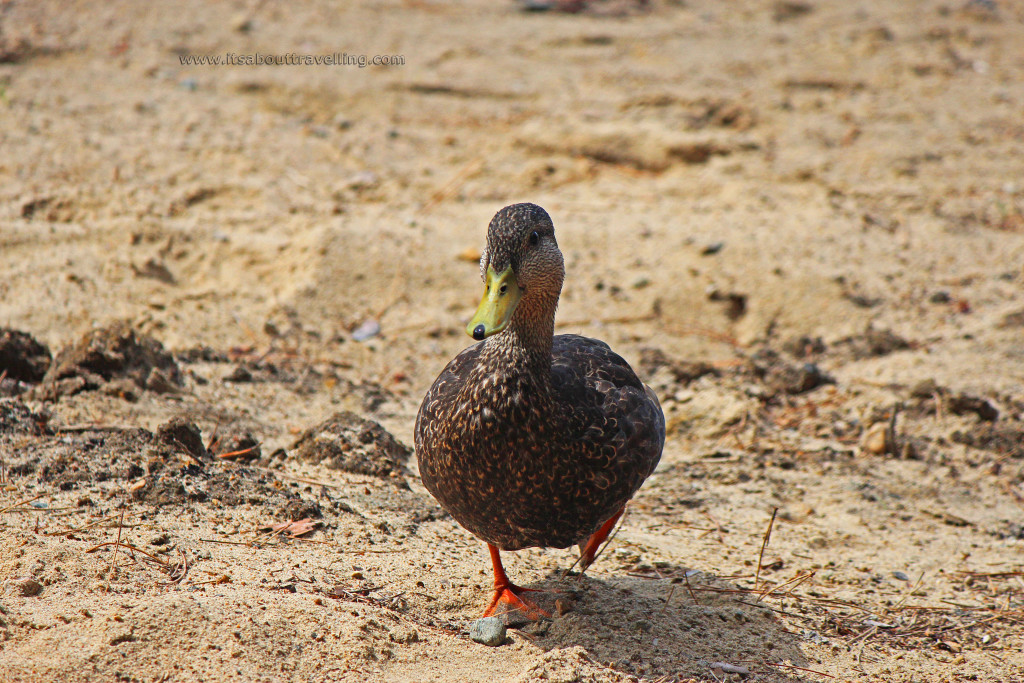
(803, 223)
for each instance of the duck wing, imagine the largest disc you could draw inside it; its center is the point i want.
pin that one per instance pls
(620, 424)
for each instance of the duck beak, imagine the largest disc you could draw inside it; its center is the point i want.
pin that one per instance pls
(500, 300)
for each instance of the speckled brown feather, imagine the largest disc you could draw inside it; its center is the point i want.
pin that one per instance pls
(536, 451)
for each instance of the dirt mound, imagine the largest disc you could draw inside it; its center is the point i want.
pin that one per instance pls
(22, 357)
(116, 358)
(782, 377)
(350, 443)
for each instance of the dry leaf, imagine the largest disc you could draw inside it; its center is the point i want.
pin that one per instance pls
(294, 529)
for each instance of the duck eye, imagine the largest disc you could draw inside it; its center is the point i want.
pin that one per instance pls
(534, 238)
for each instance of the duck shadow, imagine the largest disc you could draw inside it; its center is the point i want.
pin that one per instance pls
(675, 622)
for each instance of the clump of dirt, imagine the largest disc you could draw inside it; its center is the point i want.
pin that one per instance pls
(781, 377)
(351, 443)
(22, 357)
(684, 372)
(804, 347)
(255, 371)
(303, 378)
(180, 432)
(115, 357)
(1015, 319)
(297, 509)
(873, 343)
(1004, 439)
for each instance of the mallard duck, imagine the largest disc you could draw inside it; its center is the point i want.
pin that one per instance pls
(526, 438)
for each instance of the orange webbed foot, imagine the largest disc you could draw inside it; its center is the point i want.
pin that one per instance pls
(510, 596)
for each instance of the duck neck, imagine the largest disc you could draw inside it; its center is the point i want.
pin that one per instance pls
(525, 345)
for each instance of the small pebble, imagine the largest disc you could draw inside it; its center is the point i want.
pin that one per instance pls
(876, 439)
(730, 668)
(368, 330)
(490, 631)
(363, 180)
(901, 576)
(241, 23)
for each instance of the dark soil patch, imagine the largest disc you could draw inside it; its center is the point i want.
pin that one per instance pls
(782, 377)
(804, 347)
(111, 355)
(873, 343)
(351, 443)
(170, 467)
(964, 404)
(22, 358)
(180, 432)
(1004, 439)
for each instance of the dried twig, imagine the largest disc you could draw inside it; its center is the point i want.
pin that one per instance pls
(235, 454)
(891, 444)
(718, 527)
(798, 668)
(764, 544)
(117, 544)
(907, 594)
(184, 569)
(689, 588)
(127, 546)
(796, 580)
(22, 502)
(671, 592)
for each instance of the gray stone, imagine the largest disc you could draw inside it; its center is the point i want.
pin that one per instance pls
(489, 631)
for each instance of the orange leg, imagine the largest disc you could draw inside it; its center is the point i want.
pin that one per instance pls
(507, 593)
(589, 551)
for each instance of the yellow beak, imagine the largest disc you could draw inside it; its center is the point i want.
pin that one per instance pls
(501, 297)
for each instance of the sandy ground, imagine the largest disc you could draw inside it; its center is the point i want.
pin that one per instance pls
(802, 223)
